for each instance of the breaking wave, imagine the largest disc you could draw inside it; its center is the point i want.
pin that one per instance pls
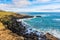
(54, 32)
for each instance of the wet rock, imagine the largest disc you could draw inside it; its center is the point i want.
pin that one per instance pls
(50, 37)
(38, 16)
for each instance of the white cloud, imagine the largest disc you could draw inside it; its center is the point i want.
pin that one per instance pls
(21, 3)
(25, 6)
(56, 0)
(25, 3)
(43, 1)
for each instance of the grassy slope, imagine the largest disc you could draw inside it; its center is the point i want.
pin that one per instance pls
(6, 34)
(2, 14)
(1, 26)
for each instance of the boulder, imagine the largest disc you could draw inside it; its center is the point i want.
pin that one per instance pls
(50, 37)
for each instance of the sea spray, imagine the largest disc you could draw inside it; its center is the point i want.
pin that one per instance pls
(54, 32)
(28, 25)
(50, 30)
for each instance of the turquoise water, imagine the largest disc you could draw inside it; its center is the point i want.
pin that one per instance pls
(48, 22)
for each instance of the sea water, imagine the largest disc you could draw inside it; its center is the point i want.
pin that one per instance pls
(48, 22)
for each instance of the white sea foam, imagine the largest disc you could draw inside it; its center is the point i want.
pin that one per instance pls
(26, 19)
(34, 17)
(57, 19)
(19, 20)
(25, 23)
(23, 19)
(54, 32)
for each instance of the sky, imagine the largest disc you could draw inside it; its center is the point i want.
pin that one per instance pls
(30, 5)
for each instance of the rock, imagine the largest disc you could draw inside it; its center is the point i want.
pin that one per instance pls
(20, 16)
(38, 16)
(11, 24)
(50, 37)
(18, 28)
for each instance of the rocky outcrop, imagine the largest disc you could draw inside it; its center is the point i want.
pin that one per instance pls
(5, 33)
(38, 16)
(5, 19)
(16, 27)
(50, 37)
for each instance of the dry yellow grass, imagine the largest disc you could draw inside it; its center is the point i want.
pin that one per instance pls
(1, 26)
(2, 14)
(6, 34)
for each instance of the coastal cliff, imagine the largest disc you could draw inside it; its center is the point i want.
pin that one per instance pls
(10, 29)
(6, 34)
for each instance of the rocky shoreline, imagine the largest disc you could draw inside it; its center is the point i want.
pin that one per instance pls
(28, 33)
(14, 25)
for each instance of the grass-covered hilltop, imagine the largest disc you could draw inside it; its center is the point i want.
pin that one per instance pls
(12, 29)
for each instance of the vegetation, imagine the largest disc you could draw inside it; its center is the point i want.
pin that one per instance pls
(5, 23)
(8, 21)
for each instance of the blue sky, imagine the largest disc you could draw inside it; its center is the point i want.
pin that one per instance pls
(30, 5)
(5, 1)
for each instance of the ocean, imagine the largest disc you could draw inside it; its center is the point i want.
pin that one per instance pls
(48, 22)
